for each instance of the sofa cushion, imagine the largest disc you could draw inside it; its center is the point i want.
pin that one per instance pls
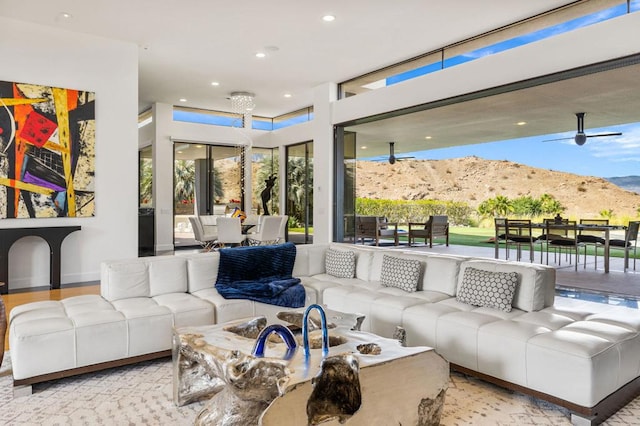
(202, 270)
(401, 273)
(488, 289)
(441, 274)
(340, 263)
(124, 279)
(167, 274)
(536, 283)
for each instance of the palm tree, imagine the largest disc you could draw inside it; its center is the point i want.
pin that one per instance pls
(299, 180)
(146, 181)
(184, 174)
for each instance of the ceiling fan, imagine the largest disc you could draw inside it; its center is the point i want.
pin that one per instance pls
(392, 157)
(580, 138)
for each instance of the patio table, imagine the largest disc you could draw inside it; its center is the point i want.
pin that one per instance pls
(606, 229)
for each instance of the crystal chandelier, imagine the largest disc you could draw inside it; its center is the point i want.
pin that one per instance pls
(242, 102)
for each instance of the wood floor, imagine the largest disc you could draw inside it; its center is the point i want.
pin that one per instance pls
(14, 299)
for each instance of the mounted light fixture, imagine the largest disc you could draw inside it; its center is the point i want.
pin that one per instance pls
(242, 102)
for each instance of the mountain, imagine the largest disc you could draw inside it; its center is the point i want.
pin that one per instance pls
(630, 183)
(473, 180)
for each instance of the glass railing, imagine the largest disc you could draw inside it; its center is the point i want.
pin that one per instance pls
(558, 21)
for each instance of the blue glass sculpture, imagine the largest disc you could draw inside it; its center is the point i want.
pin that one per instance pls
(285, 334)
(305, 330)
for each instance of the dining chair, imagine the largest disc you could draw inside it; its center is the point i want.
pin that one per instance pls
(590, 238)
(518, 233)
(435, 226)
(206, 239)
(563, 238)
(268, 231)
(543, 238)
(629, 243)
(230, 231)
(500, 224)
(282, 231)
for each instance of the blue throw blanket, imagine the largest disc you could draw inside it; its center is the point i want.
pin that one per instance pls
(262, 274)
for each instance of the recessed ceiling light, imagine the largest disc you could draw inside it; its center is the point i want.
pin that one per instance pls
(198, 146)
(66, 15)
(521, 123)
(328, 18)
(183, 100)
(287, 95)
(215, 83)
(427, 137)
(261, 55)
(363, 147)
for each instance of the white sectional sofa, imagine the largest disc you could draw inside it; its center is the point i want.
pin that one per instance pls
(580, 355)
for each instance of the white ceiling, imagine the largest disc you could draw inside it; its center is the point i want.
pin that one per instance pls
(185, 45)
(610, 98)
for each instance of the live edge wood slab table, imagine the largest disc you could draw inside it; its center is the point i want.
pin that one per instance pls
(364, 379)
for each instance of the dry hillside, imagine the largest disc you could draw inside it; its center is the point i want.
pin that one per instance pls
(473, 180)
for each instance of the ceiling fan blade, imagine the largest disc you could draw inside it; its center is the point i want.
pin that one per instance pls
(599, 135)
(560, 139)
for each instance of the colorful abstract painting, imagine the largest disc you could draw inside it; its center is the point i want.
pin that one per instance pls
(47, 151)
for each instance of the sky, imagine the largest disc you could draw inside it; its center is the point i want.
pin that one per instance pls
(602, 157)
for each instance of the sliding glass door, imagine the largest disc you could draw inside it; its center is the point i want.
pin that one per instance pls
(299, 191)
(208, 179)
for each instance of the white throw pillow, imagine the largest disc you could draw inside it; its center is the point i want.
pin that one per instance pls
(340, 263)
(401, 273)
(488, 289)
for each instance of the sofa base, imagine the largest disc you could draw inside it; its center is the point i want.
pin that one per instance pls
(22, 387)
(580, 415)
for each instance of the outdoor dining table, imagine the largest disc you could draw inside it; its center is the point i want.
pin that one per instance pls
(606, 230)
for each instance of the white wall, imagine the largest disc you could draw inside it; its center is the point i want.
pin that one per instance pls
(42, 55)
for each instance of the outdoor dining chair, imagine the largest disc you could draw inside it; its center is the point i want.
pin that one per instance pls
(629, 244)
(563, 238)
(518, 233)
(589, 238)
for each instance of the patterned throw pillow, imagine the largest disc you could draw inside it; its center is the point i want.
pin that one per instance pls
(488, 289)
(401, 273)
(340, 263)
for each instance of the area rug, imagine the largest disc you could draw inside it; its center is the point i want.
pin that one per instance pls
(141, 394)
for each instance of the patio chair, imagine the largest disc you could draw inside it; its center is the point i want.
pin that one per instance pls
(435, 226)
(563, 238)
(206, 239)
(588, 238)
(629, 243)
(518, 233)
(375, 227)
